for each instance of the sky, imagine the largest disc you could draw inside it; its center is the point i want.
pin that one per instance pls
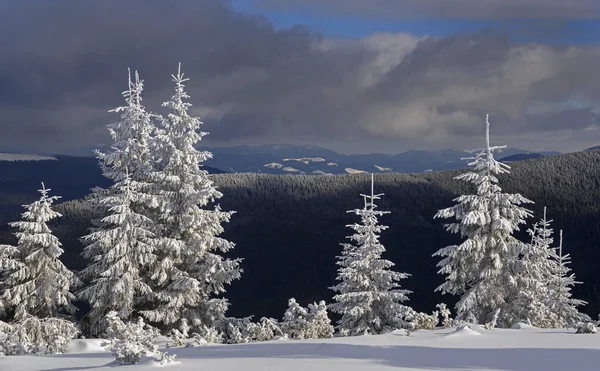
(354, 76)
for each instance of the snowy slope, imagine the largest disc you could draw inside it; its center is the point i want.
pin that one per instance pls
(478, 349)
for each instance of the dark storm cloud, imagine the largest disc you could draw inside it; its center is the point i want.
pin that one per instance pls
(63, 64)
(453, 9)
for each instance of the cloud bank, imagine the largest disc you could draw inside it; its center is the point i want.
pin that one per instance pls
(63, 65)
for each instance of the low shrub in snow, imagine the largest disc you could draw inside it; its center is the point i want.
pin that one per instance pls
(130, 341)
(268, 329)
(445, 314)
(237, 330)
(586, 328)
(319, 324)
(301, 323)
(420, 321)
(295, 321)
(207, 335)
(36, 336)
(179, 336)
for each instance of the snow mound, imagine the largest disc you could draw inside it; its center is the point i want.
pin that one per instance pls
(291, 169)
(320, 172)
(86, 346)
(350, 170)
(522, 326)
(462, 331)
(23, 157)
(153, 361)
(332, 164)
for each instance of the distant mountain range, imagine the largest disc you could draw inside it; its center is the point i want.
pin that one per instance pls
(294, 159)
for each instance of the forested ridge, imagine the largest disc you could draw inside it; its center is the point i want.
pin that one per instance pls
(288, 229)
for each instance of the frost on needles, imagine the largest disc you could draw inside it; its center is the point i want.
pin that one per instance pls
(368, 296)
(480, 269)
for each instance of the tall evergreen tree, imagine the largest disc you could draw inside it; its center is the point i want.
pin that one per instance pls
(122, 239)
(120, 252)
(190, 268)
(481, 268)
(368, 296)
(36, 282)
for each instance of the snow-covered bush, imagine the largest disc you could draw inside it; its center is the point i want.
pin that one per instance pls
(36, 336)
(130, 341)
(237, 330)
(295, 321)
(319, 324)
(586, 328)
(445, 314)
(177, 338)
(268, 329)
(207, 335)
(421, 321)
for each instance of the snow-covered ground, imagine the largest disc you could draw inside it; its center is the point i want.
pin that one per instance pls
(525, 349)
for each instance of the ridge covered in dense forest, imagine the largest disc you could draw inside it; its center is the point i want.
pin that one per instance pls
(288, 228)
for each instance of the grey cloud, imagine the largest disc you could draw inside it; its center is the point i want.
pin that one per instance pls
(456, 9)
(63, 65)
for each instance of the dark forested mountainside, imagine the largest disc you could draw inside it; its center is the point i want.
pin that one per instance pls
(288, 228)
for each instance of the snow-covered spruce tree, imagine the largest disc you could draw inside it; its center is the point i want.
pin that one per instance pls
(190, 268)
(369, 296)
(560, 299)
(481, 268)
(36, 283)
(534, 273)
(120, 252)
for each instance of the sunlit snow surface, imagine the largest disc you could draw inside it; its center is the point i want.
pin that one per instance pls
(526, 349)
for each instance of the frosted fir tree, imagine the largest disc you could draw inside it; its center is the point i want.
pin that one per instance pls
(36, 283)
(368, 296)
(560, 298)
(120, 252)
(190, 268)
(480, 269)
(534, 274)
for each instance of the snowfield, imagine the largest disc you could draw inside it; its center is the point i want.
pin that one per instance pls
(525, 349)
